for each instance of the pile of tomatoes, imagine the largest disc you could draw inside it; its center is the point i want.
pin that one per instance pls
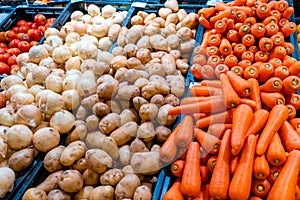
(21, 38)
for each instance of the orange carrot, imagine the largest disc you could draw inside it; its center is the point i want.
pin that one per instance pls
(274, 173)
(207, 72)
(195, 70)
(238, 70)
(223, 117)
(281, 72)
(294, 100)
(211, 83)
(205, 23)
(261, 167)
(240, 85)
(209, 143)
(231, 61)
(274, 84)
(225, 47)
(177, 168)
(220, 179)
(271, 99)
(250, 72)
(288, 29)
(174, 192)
(184, 135)
(234, 160)
(218, 130)
(260, 188)
(265, 71)
(190, 100)
(277, 117)
(191, 178)
(255, 92)
(249, 102)
(221, 69)
(296, 124)
(291, 84)
(259, 120)
(198, 116)
(276, 154)
(285, 184)
(241, 120)
(206, 12)
(288, 12)
(289, 137)
(292, 111)
(243, 173)
(294, 69)
(228, 13)
(231, 99)
(201, 91)
(205, 173)
(281, 5)
(211, 163)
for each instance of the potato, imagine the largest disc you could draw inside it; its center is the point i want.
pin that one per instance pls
(133, 35)
(113, 32)
(134, 63)
(172, 4)
(126, 187)
(163, 118)
(46, 139)
(109, 123)
(136, 20)
(128, 92)
(92, 139)
(80, 165)
(149, 17)
(137, 145)
(120, 74)
(141, 82)
(70, 181)
(131, 50)
(133, 74)
(98, 160)
(129, 115)
(176, 54)
(72, 153)
(162, 133)
(21, 159)
(184, 33)
(158, 100)
(62, 121)
(52, 159)
(177, 84)
(34, 194)
(90, 177)
(190, 20)
(182, 66)
(78, 133)
(171, 19)
(156, 69)
(142, 193)
(114, 106)
(3, 149)
(154, 88)
(146, 132)
(164, 12)
(138, 102)
(158, 42)
(144, 55)
(125, 133)
(107, 87)
(92, 122)
(148, 112)
(169, 64)
(146, 162)
(111, 177)
(124, 157)
(19, 136)
(152, 28)
(121, 40)
(173, 41)
(118, 51)
(144, 42)
(7, 179)
(84, 193)
(103, 193)
(155, 148)
(81, 113)
(160, 21)
(109, 145)
(186, 46)
(57, 194)
(51, 182)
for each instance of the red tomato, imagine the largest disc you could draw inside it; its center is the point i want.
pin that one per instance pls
(10, 35)
(4, 57)
(14, 43)
(29, 24)
(16, 29)
(36, 35)
(14, 51)
(24, 46)
(4, 68)
(12, 60)
(33, 43)
(2, 37)
(34, 26)
(3, 45)
(24, 29)
(42, 29)
(3, 50)
(21, 22)
(23, 36)
(48, 25)
(40, 19)
(51, 20)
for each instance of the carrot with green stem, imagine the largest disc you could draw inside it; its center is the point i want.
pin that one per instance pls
(248, 55)
(289, 47)
(220, 26)
(274, 173)
(289, 136)
(265, 44)
(261, 167)
(258, 121)
(276, 154)
(254, 49)
(250, 72)
(223, 117)
(214, 60)
(250, 21)
(277, 117)
(274, 84)
(292, 111)
(237, 70)
(191, 178)
(218, 130)
(231, 99)
(199, 59)
(212, 50)
(288, 29)
(281, 72)
(214, 40)
(209, 143)
(220, 179)
(244, 29)
(258, 30)
(285, 184)
(276, 14)
(240, 16)
(243, 173)
(174, 192)
(270, 19)
(291, 84)
(270, 99)
(260, 188)
(177, 168)
(271, 29)
(281, 5)
(240, 85)
(185, 134)
(241, 120)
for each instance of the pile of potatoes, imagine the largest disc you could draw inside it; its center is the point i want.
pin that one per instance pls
(100, 117)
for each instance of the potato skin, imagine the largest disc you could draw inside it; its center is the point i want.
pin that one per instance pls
(71, 181)
(146, 162)
(142, 193)
(103, 193)
(125, 133)
(98, 160)
(57, 194)
(84, 193)
(126, 187)
(109, 123)
(34, 194)
(111, 177)
(21, 159)
(72, 153)
(80, 165)
(51, 182)
(90, 177)
(124, 152)
(45, 139)
(52, 159)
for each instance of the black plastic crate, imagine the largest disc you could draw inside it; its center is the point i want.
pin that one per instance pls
(4, 11)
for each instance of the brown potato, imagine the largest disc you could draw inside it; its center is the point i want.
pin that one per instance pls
(57, 194)
(142, 193)
(137, 145)
(90, 177)
(46, 139)
(51, 182)
(125, 133)
(146, 132)
(103, 193)
(146, 162)
(21, 159)
(158, 99)
(124, 157)
(111, 177)
(129, 115)
(109, 123)
(52, 159)
(71, 181)
(138, 102)
(84, 193)
(126, 187)
(72, 153)
(34, 194)
(162, 133)
(98, 160)
(80, 165)
(148, 111)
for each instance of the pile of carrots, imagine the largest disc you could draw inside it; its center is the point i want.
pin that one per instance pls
(247, 37)
(240, 136)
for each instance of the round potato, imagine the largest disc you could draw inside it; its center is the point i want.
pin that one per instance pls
(34, 194)
(46, 139)
(57, 194)
(90, 177)
(111, 177)
(124, 157)
(80, 165)
(84, 193)
(52, 159)
(7, 179)
(103, 193)
(71, 181)
(126, 187)
(142, 193)
(72, 153)
(98, 160)
(19, 136)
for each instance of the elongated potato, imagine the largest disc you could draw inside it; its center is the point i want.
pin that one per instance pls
(154, 88)
(146, 162)
(3, 149)
(124, 157)
(34, 194)
(52, 159)
(177, 84)
(129, 115)
(90, 177)
(51, 182)
(125, 133)
(169, 64)
(70, 181)
(111, 177)
(98, 160)
(126, 187)
(163, 118)
(72, 153)
(21, 159)
(103, 193)
(109, 123)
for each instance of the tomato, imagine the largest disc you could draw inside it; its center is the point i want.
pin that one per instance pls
(12, 60)
(14, 51)
(3, 45)
(24, 46)
(51, 20)
(23, 36)
(21, 22)
(42, 29)
(24, 29)
(2, 37)
(3, 50)
(33, 43)
(16, 29)
(14, 43)
(40, 19)
(4, 57)
(48, 25)
(10, 35)
(29, 24)
(4, 68)
(36, 35)
(34, 26)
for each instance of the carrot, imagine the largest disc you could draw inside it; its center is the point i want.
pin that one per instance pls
(243, 173)
(238, 2)
(191, 178)
(276, 62)
(271, 99)
(253, 49)
(274, 84)
(250, 72)
(191, 100)
(250, 21)
(223, 117)
(294, 99)
(263, 10)
(230, 24)
(240, 16)
(291, 84)
(240, 85)
(255, 198)
(271, 29)
(289, 47)
(174, 192)
(241, 120)
(199, 50)
(297, 195)
(177, 168)
(204, 156)
(205, 23)
(248, 55)
(209, 143)
(259, 120)
(221, 6)
(221, 69)
(277, 117)
(276, 154)
(294, 69)
(239, 49)
(237, 70)
(288, 61)
(220, 179)
(181, 153)
(245, 9)
(220, 26)
(231, 60)
(278, 39)
(225, 47)
(276, 14)
(199, 59)
(249, 102)
(274, 173)
(270, 19)
(195, 70)
(184, 135)
(214, 40)
(212, 50)
(207, 72)
(278, 52)
(244, 29)
(292, 111)
(214, 60)
(198, 116)
(295, 124)
(281, 5)
(261, 167)
(258, 30)
(289, 137)
(281, 72)
(260, 188)
(265, 44)
(234, 160)
(231, 99)
(288, 13)
(265, 71)
(218, 130)
(204, 194)
(211, 163)
(211, 83)
(285, 184)
(206, 12)
(169, 148)
(261, 56)
(250, 3)
(255, 92)
(205, 173)
(204, 91)
(205, 38)
(228, 13)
